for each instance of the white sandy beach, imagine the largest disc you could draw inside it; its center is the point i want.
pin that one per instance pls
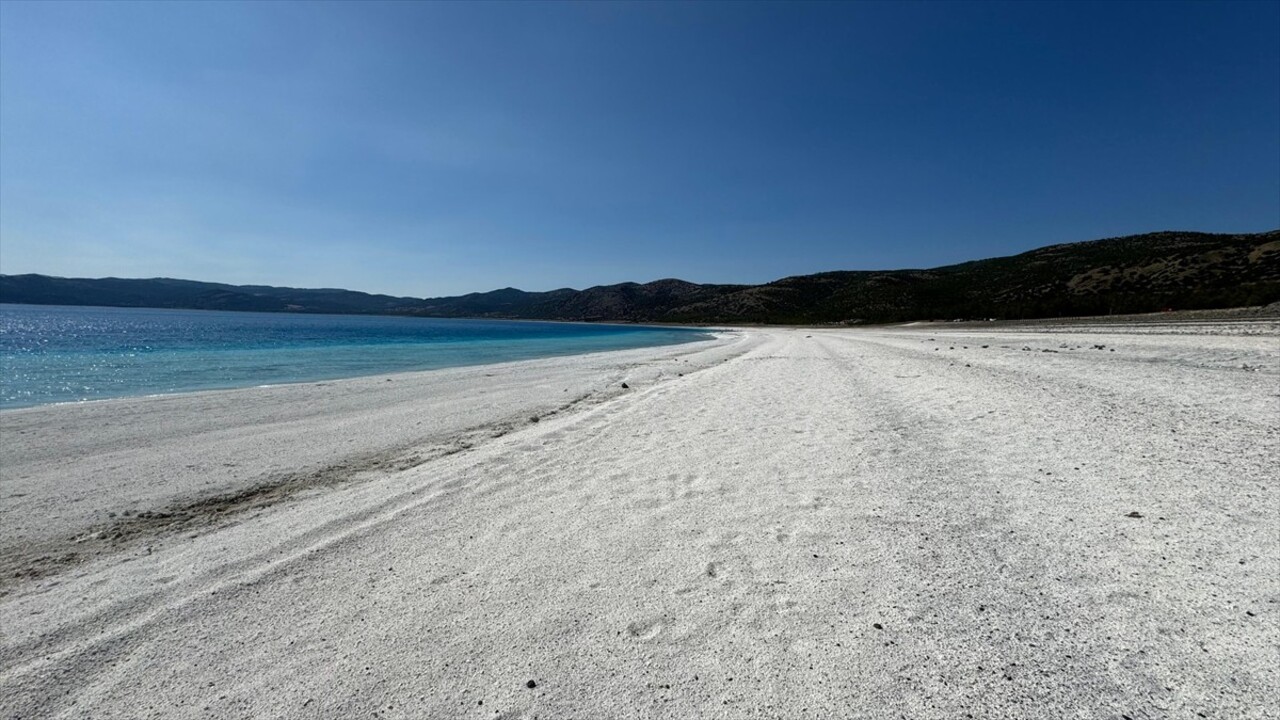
(924, 522)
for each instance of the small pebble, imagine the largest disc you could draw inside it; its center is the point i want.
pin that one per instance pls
(531, 684)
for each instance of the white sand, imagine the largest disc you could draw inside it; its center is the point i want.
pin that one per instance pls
(70, 469)
(722, 544)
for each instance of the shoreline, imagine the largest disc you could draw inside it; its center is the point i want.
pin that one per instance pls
(912, 521)
(99, 466)
(325, 380)
(70, 374)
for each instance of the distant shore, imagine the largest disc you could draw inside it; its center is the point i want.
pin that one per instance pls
(1009, 521)
(1136, 273)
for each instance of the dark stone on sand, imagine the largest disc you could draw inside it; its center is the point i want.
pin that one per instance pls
(1134, 514)
(625, 386)
(531, 684)
(877, 626)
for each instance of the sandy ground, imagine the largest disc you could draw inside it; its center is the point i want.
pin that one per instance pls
(923, 522)
(79, 479)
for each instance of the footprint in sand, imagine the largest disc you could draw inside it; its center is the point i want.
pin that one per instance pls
(728, 539)
(692, 485)
(645, 629)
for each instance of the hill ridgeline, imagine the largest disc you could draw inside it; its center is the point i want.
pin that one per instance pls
(1139, 273)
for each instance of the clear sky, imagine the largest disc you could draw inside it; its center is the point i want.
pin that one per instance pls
(428, 149)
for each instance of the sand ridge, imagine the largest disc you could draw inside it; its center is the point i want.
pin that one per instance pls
(920, 522)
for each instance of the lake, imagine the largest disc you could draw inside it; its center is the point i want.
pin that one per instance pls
(52, 354)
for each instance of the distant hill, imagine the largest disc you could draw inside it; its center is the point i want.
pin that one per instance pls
(190, 294)
(1139, 273)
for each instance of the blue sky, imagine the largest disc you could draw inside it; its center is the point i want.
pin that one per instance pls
(429, 149)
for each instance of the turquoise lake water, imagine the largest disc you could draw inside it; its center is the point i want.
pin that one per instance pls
(51, 354)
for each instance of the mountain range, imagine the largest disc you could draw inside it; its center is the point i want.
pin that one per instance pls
(1138, 273)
